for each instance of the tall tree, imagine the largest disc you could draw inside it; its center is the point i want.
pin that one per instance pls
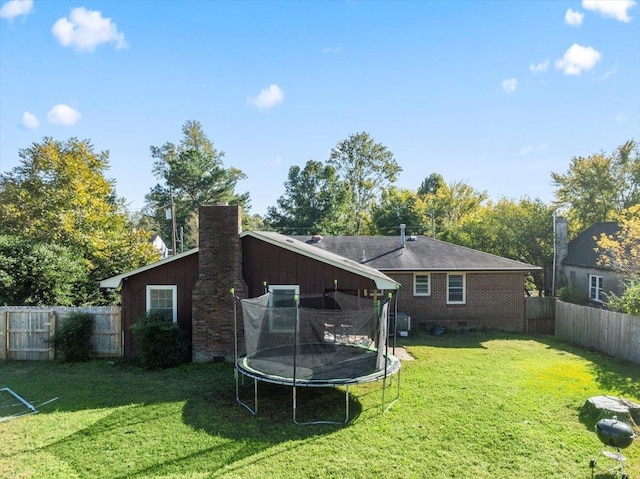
(367, 168)
(431, 184)
(314, 202)
(59, 195)
(399, 206)
(453, 205)
(599, 187)
(192, 174)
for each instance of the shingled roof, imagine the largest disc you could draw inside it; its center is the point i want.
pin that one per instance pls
(420, 253)
(581, 249)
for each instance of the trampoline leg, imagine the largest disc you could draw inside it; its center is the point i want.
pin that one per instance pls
(253, 410)
(309, 423)
(384, 388)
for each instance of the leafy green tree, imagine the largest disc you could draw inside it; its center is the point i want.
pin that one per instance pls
(399, 206)
(367, 168)
(521, 230)
(431, 184)
(597, 188)
(453, 205)
(59, 195)
(192, 174)
(314, 202)
(39, 274)
(622, 253)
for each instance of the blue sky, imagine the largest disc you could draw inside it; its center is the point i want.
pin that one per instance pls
(495, 94)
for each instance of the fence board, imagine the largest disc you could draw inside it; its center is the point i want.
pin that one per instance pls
(615, 334)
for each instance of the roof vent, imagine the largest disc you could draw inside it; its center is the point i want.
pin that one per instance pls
(402, 228)
(412, 238)
(316, 238)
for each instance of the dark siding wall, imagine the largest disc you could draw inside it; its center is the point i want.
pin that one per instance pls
(265, 262)
(183, 273)
(494, 301)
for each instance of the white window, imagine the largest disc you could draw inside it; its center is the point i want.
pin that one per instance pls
(163, 298)
(284, 304)
(456, 288)
(595, 288)
(421, 284)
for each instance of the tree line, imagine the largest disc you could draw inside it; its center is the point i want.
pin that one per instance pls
(62, 227)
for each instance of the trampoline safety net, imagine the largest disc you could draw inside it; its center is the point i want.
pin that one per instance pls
(316, 338)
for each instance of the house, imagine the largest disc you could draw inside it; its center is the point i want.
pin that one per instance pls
(435, 282)
(442, 284)
(578, 262)
(160, 246)
(194, 286)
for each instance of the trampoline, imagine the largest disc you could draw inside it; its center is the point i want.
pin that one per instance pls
(328, 340)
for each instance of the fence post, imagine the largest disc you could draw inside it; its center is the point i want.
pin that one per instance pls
(52, 333)
(3, 332)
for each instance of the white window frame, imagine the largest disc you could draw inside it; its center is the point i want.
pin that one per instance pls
(464, 288)
(280, 287)
(598, 296)
(415, 284)
(174, 297)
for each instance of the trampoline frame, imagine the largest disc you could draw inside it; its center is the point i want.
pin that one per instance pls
(242, 370)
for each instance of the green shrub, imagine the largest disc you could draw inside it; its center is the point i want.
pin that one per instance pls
(571, 294)
(160, 343)
(629, 301)
(72, 340)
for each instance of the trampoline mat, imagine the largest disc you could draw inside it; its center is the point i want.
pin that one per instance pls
(317, 364)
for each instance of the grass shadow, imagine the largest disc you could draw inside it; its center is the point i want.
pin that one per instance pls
(130, 408)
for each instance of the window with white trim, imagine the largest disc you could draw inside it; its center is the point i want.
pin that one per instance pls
(456, 288)
(163, 298)
(595, 288)
(421, 284)
(284, 312)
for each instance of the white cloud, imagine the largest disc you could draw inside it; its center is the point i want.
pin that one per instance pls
(15, 8)
(509, 85)
(86, 29)
(268, 97)
(577, 59)
(573, 18)
(328, 50)
(611, 8)
(527, 150)
(63, 115)
(30, 121)
(540, 67)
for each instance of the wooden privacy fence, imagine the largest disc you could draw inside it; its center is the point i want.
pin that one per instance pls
(25, 331)
(540, 314)
(615, 334)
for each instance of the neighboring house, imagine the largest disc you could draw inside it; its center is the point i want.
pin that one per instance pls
(439, 283)
(579, 266)
(160, 246)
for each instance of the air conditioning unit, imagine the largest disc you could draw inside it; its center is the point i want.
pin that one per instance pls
(402, 326)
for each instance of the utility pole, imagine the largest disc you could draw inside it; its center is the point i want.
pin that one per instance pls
(173, 219)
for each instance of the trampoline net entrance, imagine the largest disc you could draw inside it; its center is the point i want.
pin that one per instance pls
(315, 340)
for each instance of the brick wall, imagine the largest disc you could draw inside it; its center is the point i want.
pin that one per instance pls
(220, 269)
(493, 301)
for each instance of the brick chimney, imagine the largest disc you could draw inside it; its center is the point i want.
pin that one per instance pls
(220, 269)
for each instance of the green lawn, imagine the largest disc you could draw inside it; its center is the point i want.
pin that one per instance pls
(477, 405)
